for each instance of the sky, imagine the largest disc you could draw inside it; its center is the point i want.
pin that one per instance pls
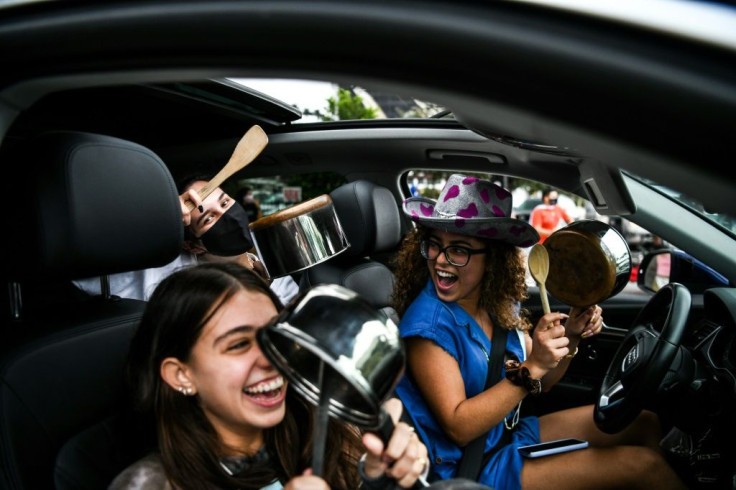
(305, 94)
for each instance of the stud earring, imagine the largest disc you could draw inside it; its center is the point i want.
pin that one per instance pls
(181, 389)
(189, 391)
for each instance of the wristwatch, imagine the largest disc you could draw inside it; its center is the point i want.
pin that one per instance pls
(520, 376)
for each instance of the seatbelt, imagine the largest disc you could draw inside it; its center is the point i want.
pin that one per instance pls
(470, 464)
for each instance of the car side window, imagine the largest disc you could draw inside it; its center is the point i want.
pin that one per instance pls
(274, 193)
(527, 194)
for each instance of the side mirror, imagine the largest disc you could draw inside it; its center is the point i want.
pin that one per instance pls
(655, 270)
(660, 267)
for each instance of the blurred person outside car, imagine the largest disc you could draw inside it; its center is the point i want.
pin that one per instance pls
(250, 204)
(548, 216)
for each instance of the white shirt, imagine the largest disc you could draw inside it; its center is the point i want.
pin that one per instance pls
(141, 283)
(137, 284)
(285, 288)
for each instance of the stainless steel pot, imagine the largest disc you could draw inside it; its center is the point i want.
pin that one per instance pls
(589, 261)
(337, 350)
(340, 354)
(299, 236)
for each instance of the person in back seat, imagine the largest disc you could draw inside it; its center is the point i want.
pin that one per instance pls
(216, 229)
(224, 415)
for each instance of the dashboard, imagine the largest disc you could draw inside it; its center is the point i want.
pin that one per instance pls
(717, 335)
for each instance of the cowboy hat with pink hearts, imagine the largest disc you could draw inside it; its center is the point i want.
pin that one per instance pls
(475, 207)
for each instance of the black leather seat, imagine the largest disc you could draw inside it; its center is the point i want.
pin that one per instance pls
(370, 217)
(95, 205)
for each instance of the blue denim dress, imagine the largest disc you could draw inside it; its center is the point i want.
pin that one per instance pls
(452, 328)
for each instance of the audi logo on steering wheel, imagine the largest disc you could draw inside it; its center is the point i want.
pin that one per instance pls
(631, 357)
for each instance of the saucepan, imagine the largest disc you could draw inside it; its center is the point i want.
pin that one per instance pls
(341, 354)
(589, 261)
(299, 236)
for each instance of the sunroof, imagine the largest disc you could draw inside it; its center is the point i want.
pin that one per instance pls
(237, 98)
(328, 101)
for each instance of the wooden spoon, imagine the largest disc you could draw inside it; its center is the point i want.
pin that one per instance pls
(247, 149)
(539, 268)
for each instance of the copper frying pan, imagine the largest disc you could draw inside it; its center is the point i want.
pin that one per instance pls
(589, 261)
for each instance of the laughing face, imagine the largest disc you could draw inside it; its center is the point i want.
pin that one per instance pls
(453, 283)
(240, 391)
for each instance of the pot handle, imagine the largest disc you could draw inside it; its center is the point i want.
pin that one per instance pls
(384, 430)
(385, 426)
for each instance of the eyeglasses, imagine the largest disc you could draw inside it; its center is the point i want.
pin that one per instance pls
(455, 254)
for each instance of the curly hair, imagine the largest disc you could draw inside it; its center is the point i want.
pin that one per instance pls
(504, 285)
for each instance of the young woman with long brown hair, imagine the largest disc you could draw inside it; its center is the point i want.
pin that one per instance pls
(223, 415)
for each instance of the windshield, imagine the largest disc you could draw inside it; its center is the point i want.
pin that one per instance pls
(722, 220)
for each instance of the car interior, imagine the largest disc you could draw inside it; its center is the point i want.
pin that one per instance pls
(74, 240)
(63, 359)
(94, 140)
(372, 224)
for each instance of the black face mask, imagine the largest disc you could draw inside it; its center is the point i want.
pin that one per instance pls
(230, 235)
(553, 201)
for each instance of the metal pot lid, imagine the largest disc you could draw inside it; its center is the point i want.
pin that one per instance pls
(331, 343)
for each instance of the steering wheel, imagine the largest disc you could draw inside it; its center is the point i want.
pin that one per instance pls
(643, 358)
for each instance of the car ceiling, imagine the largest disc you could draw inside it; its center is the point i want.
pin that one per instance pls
(156, 115)
(193, 124)
(505, 69)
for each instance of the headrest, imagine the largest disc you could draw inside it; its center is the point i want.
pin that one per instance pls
(369, 215)
(91, 205)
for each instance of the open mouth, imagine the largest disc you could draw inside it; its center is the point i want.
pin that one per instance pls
(445, 279)
(266, 390)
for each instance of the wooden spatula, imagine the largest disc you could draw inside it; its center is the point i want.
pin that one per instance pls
(247, 149)
(539, 268)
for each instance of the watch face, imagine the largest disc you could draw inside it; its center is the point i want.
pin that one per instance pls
(534, 386)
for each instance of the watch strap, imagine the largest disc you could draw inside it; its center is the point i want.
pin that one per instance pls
(519, 375)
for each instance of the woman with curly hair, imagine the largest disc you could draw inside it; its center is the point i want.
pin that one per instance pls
(460, 281)
(224, 417)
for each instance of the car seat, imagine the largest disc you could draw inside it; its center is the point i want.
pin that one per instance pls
(93, 205)
(369, 215)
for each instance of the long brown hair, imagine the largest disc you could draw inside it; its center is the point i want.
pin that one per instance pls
(503, 289)
(179, 308)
